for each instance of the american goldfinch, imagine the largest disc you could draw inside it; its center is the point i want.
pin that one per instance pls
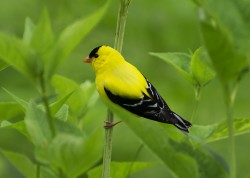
(123, 84)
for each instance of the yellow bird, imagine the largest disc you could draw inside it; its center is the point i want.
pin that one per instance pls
(123, 84)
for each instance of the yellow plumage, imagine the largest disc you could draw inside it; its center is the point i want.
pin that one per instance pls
(117, 75)
(121, 83)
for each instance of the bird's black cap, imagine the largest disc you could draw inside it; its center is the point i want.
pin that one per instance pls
(94, 51)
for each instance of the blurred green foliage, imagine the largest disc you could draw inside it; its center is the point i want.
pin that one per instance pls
(46, 44)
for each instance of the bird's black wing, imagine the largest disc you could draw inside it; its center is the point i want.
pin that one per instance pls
(147, 107)
(153, 107)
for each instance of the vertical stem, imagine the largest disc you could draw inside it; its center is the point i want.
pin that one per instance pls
(38, 170)
(120, 29)
(46, 104)
(230, 93)
(135, 158)
(107, 147)
(121, 23)
(196, 104)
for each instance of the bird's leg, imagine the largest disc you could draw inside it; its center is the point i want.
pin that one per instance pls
(109, 125)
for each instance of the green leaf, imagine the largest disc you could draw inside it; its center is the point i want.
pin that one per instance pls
(16, 54)
(194, 68)
(28, 31)
(26, 167)
(72, 35)
(229, 62)
(174, 151)
(201, 71)
(9, 110)
(158, 142)
(180, 61)
(59, 103)
(37, 125)
(62, 114)
(20, 126)
(25, 147)
(3, 65)
(74, 154)
(120, 169)
(219, 131)
(82, 95)
(22, 163)
(205, 157)
(43, 38)
(20, 101)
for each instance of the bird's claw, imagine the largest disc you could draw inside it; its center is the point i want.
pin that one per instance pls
(109, 125)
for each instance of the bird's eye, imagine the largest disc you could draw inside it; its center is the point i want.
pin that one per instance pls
(96, 55)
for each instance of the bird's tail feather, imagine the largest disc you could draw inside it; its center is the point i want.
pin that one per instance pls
(181, 124)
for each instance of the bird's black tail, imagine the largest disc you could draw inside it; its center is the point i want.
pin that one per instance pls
(180, 123)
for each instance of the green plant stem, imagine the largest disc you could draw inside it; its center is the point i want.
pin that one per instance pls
(120, 29)
(107, 147)
(121, 23)
(46, 104)
(135, 158)
(230, 93)
(38, 170)
(197, 101)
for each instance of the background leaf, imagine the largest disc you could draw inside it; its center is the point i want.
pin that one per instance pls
(8, 137)
(3, 65)
(201, 71)
(74, 154)
(37, 125)
(180, 61)
(82, 95)
(42, 38)
(72, 35)
(16, 54)
(120, 169)
(9, 110)
(215, 132)
(228, 61)
(22, 163)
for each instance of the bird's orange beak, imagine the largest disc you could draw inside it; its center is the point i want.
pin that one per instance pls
(87, 60)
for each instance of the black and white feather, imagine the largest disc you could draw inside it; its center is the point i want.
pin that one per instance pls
(153, 107)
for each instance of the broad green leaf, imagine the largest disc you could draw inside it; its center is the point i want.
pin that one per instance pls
(27, 167)
(8, 141)
(3, 65)
(214, 164)
(234, 19)
(180, 61)
(37, 125)
(121, 169)
(20, 126)
(62, 128)
(20, 101)
(219, 131)
(72, 35)
(42, 37)
(81, 94)
(176, 154)
(22, 163)
(155, 137)
(201, 71)
(62, 114)
(74, 154)
(16, 54)
(194, 68)
(28, 31)
(9, 110)
(59, 103)
(229, 62)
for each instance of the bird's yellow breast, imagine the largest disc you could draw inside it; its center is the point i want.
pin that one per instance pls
(123, 80)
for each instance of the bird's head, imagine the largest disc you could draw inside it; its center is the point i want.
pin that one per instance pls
(103, 57)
